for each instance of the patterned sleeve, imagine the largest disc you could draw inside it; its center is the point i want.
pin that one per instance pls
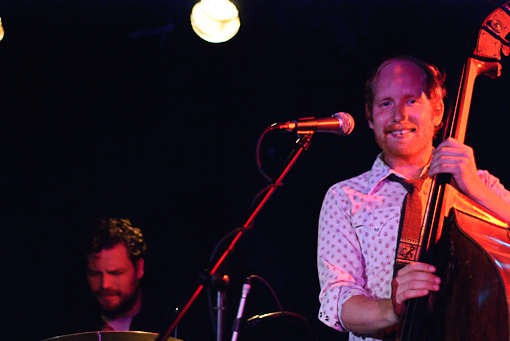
(494, 185)
(339, 258)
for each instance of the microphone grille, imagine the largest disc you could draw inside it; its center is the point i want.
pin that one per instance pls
(346, 123)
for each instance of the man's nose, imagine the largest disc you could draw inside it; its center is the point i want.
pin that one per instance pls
(106, 281)
(399, 113)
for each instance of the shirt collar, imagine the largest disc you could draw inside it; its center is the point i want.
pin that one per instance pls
(380, 171)
(121, 324)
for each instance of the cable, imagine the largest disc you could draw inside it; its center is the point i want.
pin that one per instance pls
(257, 155)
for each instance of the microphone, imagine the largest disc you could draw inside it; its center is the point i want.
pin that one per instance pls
(340, 123)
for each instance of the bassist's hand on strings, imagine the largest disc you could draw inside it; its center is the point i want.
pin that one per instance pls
(413, 280)
(457, 159)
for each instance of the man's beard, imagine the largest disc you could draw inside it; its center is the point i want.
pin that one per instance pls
(393, 148)
(123, 307)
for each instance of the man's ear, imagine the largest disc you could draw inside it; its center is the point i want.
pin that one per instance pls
(368, 115)
(438, 112)
(140, 267)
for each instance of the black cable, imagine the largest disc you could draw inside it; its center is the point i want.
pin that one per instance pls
(252, 321)
(257, 154)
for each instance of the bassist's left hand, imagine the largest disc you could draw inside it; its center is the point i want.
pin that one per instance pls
(457, 159)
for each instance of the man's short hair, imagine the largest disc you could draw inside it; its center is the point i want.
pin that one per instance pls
(109, 232)
(434, 89)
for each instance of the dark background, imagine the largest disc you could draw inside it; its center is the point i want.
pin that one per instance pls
(117, 108)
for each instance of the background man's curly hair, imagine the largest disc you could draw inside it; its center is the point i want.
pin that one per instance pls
(112, 231)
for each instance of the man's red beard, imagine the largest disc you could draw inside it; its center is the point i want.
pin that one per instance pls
(125, 305)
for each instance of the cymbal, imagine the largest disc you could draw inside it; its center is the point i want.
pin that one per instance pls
(109, 336)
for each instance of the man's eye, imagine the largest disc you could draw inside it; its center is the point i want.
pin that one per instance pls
(411, 101)
(384, 104)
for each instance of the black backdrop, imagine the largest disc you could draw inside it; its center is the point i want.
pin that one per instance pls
(118, 108)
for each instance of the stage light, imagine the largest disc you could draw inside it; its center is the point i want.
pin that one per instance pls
(215, 21)
(1, 30)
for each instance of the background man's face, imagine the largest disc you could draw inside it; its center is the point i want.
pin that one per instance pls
(114, 280)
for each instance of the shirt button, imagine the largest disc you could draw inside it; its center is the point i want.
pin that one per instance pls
(376, 229)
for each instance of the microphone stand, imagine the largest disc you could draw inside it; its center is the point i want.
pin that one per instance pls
(221, 283)
(302, 144)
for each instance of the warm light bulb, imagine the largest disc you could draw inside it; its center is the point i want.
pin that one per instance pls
(215, 21)
(1, 30)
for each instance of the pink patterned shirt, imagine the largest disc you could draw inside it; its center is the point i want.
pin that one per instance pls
(358, 231)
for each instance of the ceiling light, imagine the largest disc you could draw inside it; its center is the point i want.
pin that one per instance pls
(215, 21)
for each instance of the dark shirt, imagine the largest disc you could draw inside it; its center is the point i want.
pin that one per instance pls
(153, 317)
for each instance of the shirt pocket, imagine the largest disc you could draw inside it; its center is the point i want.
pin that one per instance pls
(376, 220)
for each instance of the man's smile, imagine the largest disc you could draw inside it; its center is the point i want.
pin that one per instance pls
(399, 131)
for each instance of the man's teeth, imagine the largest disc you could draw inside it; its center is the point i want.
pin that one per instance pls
(401, 132)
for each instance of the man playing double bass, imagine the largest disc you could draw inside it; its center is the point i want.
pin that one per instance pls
(360, 219)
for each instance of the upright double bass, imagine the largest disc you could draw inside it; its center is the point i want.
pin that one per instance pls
(469, 245)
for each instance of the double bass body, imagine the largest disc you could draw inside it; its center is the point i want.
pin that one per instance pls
(469, 246)
(474, 303)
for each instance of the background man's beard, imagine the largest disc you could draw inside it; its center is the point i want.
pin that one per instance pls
(123, 307)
